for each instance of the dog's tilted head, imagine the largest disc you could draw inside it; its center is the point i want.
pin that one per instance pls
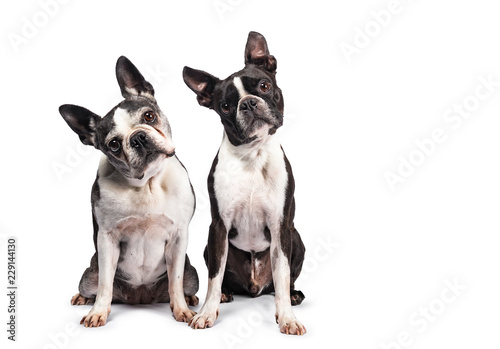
(249, 102)
(135, 135)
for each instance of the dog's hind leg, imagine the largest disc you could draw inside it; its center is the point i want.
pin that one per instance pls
(88, 284)
(191, 283)
(297, 258)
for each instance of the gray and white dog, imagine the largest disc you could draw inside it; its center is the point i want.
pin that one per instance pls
(142, 203)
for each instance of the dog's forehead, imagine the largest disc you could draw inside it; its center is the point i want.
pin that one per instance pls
(124, 116)
(251, 72)
(124, 120)
(244, 82)
(129, 111)
(132, 105)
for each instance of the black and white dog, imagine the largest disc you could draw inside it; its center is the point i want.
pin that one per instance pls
(253, 246)
(142, 203)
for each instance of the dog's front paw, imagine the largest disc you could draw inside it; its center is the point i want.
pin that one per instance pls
(78, 299)
(204, 319)
(95, 318)
(290, 325)
(182, 314)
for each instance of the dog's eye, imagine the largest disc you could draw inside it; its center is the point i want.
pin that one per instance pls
(265, 86)
(225, 108)
(114, 145)
(149, 116)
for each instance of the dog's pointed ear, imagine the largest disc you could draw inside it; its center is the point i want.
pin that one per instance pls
(82, 121)
(131, 81)
(256, 52)
(202, 83)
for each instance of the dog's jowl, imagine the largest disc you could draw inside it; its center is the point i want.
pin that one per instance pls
(253, 247)
(142, 203)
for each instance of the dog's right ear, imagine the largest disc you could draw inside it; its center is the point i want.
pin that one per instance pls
(257, 52)
(202, 83)
(82, 121)
(131, 81)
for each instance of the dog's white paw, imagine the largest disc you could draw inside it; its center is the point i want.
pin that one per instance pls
(95, 318)
(78, 299)
(182, 314)
(204, 319)
(290, 325)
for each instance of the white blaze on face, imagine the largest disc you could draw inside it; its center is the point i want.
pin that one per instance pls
(240, 117)
(239, 86)
(123, 123)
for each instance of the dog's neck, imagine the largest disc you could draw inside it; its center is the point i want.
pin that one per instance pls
(254, 152)
(106, 169)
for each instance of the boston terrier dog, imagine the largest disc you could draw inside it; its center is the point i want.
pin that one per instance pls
(253, 247)
(142, 203)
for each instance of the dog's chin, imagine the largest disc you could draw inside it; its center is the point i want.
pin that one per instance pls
(154, 164)
(146, 174)
(261, 128)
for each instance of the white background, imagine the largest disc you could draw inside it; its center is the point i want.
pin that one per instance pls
(374, 256)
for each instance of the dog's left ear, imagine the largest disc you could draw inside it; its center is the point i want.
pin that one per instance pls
(201, 83)
(82, 121)
(131, 81)
(256, 52)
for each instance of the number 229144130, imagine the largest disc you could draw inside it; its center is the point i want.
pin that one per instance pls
(11, 260)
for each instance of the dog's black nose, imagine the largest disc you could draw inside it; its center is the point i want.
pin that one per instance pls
(139, 140)
(249, 104)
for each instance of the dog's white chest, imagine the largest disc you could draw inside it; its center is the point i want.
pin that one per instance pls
(144, 220)
(142, 247)
(250, 187)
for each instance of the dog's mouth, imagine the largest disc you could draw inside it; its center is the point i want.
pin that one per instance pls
(151, 163)
(274, 122)
(261, 124)
(151, 155)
